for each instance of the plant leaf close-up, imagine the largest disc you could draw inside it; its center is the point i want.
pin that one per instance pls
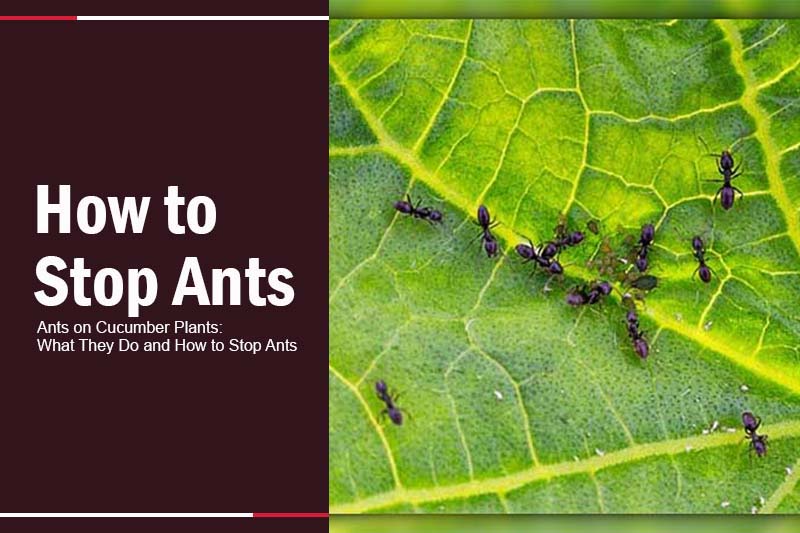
(515, 401)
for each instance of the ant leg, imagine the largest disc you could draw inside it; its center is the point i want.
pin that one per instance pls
(717, 194)
(383, 415)
(715, 181)
(741, 194)
(706, 146)
(475, 238)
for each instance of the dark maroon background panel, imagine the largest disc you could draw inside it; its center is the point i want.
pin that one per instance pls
(232, 110)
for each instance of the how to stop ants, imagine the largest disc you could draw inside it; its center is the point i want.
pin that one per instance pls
(640, 345)
(486, 224)
(588, 294)
(699, 253)
(727, 167)
(757, 442)
(407, 207)
(391, 410)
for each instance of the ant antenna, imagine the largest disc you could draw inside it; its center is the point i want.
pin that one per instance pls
(708, 150)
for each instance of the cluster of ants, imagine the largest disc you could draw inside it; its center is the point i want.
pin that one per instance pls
(545, 257)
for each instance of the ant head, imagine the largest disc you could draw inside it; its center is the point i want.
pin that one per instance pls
(556, 268)
(648, 233)
(435, 216)
(576, 237)
(641, 263)
(380, 387)
(632, 317)
(604, 287)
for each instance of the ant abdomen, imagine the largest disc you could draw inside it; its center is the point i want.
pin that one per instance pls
(705, 273)
(641, 347)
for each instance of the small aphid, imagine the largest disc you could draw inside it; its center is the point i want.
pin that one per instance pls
(593, 226)
(702, 269)
(725, 166)
(391, 410)
(645, 283)
(751, 422)
(407, 207)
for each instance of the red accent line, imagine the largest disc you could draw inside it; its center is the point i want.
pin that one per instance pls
(39, 18)
(290, 515)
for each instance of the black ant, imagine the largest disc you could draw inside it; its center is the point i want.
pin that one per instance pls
(645, 240)
(429, 214)
(640, 345)
(757, 442)
(528, 252)
(392, 410)
(588, 294)
(487, 238)
(699, 253)
(725, 166)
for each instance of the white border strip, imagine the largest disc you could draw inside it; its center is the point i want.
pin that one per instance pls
(126, 515)
(185, 17)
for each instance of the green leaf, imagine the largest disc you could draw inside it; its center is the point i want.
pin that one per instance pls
(520, 403)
